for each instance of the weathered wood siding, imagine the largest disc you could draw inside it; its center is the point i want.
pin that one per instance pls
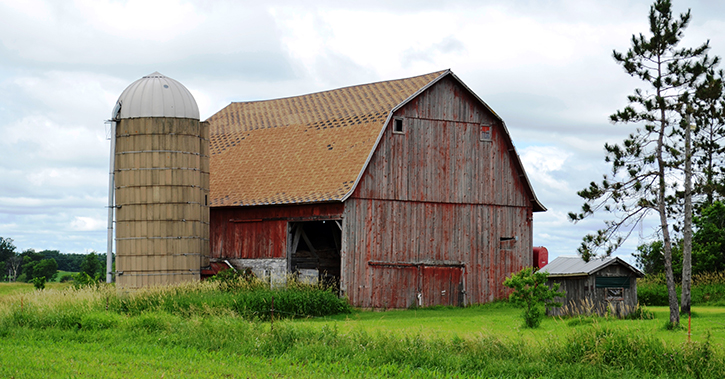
(439, 158)
(377, 232)
(435, 203)
(261, 231)
(582, 296)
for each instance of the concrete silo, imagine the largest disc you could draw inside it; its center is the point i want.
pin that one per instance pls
(161, 175)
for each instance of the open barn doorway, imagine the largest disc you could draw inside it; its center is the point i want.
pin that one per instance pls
(314, 250)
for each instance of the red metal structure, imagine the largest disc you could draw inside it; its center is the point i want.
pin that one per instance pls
(405, 192)
(541, 257)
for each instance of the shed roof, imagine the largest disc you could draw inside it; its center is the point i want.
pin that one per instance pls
(575, 266)
(308, 148)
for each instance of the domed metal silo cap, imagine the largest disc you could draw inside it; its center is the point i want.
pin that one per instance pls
(156, 95)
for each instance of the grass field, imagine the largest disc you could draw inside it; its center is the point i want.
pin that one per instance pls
(19, 287)
(500, 319)
(68, 333)
(62, 273)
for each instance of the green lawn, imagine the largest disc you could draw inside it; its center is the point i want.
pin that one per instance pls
(500, 319)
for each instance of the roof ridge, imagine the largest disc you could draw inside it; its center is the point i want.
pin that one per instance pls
(440, 72)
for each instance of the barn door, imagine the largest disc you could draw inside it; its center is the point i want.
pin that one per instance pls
(441, 285)
(314, 249)
(394, 286)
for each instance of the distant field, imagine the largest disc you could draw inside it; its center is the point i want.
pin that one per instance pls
(68, 333)
(62, 273)
(17, 287)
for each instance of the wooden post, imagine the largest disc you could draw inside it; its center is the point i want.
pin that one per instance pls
(271, 317)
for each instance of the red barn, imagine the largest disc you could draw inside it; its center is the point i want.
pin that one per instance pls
(404, 192)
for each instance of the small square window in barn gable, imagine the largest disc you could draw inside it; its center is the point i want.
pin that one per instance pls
(485, 133)
(398, 126)
(508, 243)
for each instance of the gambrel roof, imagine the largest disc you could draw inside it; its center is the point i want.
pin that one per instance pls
(309, 148)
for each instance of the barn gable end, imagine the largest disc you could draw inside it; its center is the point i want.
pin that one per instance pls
(438, 208)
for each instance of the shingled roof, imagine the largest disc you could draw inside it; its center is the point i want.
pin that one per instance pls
(301, 149)
(309, 148)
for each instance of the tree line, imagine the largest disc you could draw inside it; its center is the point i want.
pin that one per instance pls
(671, 165)
(30, 264)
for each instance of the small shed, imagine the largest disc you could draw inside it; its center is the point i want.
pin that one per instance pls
(598, 286)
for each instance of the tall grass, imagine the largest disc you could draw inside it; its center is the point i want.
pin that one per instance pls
(251, 299)
(213, 317)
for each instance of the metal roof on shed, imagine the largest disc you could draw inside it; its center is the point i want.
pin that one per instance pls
(575, 266)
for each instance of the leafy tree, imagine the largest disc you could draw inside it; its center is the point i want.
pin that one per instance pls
(91, 265)
(35, 265)
(642, 165)
(30, 259)
(650, 257)
(532, 294)
(7, 249)
(46, 268)
(708, 246)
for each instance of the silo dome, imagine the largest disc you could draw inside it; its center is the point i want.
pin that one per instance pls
(156, 95)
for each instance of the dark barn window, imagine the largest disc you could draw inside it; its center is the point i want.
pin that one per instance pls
(398, 126)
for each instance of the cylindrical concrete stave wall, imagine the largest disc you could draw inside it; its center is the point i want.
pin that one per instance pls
(162, 186)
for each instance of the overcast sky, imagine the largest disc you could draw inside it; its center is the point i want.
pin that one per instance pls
(545, 67)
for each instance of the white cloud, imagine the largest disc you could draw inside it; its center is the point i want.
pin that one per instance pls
(158, 20)
(542, 161)
(84, 224)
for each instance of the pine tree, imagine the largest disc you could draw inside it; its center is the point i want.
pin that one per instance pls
(709, 117)
(640, 182)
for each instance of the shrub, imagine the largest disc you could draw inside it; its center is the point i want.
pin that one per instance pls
(66, 278)
(707, 288)
(82, 279)
(652, 294)
(39, 282)
(532, 293)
